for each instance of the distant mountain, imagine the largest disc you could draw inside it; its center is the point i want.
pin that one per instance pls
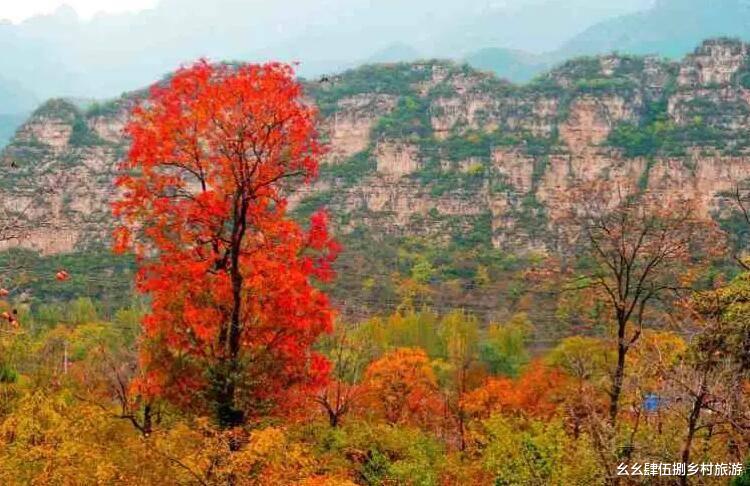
(517, 66)
(60, 55)
(14, 98)
(434, 158)
(670, 28)
(535, 26)
(397, 52)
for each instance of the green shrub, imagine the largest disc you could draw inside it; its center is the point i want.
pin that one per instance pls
(8, 374)
(351, 170)
(107, 108)
(312, 203)
(82, 135)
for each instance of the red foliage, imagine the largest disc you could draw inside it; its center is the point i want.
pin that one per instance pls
(203, 206)
(11, 317)
(540, 390)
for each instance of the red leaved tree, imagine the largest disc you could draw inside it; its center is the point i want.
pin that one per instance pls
(230, 275)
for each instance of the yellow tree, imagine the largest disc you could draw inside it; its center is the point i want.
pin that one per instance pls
(460, 335)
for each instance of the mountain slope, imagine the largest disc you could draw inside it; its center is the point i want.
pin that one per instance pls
(670, 28)
(536, 26)
(441, 176)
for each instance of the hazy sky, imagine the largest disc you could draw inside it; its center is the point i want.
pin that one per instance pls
(18, 10)
(57, 56)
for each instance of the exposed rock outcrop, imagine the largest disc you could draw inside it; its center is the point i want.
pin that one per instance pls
(434, 148)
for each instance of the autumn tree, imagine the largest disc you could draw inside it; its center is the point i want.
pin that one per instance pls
(535, 453)
(640, 249)
(537, 392)
(214, 151)
(402, 387)
(650, 366)
(716, 372)
(106, 369)
(503, 349)
(460, 340)
(585, 361)
(349, 355)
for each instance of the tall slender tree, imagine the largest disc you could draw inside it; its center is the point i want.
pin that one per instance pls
(234, 309)
(640, 249)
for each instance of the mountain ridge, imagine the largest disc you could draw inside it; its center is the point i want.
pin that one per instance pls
(438, 169)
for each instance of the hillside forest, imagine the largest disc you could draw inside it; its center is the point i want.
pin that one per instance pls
(227, 357)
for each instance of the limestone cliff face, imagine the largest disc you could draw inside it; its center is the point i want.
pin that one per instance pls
(714, 63)
(58, 172)
(441, 150)
(512, 153)
(349, 127)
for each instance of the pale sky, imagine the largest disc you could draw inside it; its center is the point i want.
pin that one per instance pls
(18, 10)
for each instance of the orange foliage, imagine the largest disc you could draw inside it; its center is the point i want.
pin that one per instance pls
(537, 393)
(494, 395)
(401, 386)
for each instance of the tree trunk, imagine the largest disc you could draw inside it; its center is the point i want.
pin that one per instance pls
(617, 379)
(333, 418)
(695, 414)
(147, 422)
(227, 373)
(223, 384)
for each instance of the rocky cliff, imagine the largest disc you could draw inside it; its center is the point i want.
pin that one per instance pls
(449, 149)
(59, 171)
(443, 152)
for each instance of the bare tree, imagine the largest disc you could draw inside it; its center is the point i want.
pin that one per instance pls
(638, 250)
(348, 358)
